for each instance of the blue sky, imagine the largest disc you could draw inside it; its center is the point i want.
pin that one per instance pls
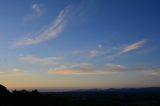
(72, 44)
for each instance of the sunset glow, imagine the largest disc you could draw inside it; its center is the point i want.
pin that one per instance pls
(79, 44)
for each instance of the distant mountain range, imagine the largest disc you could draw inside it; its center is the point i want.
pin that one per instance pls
(145, 89)
(111, 90)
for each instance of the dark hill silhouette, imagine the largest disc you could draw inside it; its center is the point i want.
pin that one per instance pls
(92, 97)
(3, 90)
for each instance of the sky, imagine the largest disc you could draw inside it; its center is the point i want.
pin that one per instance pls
(79, 44)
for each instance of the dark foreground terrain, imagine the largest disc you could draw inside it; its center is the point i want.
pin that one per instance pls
(109, 97)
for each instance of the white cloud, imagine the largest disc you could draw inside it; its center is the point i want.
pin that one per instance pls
(92, 70)
(78, 71)
(55, 58)
(114, 66)
(153, 72)
(39, 60)
(84, 68)
(109, 52)
(99, 46)
(64, 71)
(81, 66)
(13, 72)
(93, 53)
(117, 51)
(37, 11)
(96, 52)
(38, 8)
(133, 46)
(77, 52)
(50, 32)
(112, 52)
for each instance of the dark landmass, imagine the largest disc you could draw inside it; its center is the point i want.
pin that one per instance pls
(92, 97)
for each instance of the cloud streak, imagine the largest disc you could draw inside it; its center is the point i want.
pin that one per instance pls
(38, 8)
(114, 66)
(81, 69)
(39, 60)
(37, 11)
(154, 72)
(111, 52)
(133, 46)
(84, 68)
(13, 72)
(96, 52)
(52, 31)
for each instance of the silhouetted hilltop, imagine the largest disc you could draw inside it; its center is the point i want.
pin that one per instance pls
(3, 90)
(29, 98)
(90, 97)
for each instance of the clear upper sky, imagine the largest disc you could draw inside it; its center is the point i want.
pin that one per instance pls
(72, 44)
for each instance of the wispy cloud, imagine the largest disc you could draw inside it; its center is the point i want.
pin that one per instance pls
(117, 51)
(77, 52)
(111, 52)
(100, 46)
(13, 72)
(153, 72)
(50, 32)
(37, 11)
(38, 8)
(84, 68)
(109, 68)
(133, 46)
(114, 66)
(64, 71)
(95, 52)
(39, 60)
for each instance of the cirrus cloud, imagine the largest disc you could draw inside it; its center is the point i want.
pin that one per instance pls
(13, 72)
(83, 68)
(37, 11)
(38, 8)
(50, 32)
(133, 46)
(39, 60)
(86, 68)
